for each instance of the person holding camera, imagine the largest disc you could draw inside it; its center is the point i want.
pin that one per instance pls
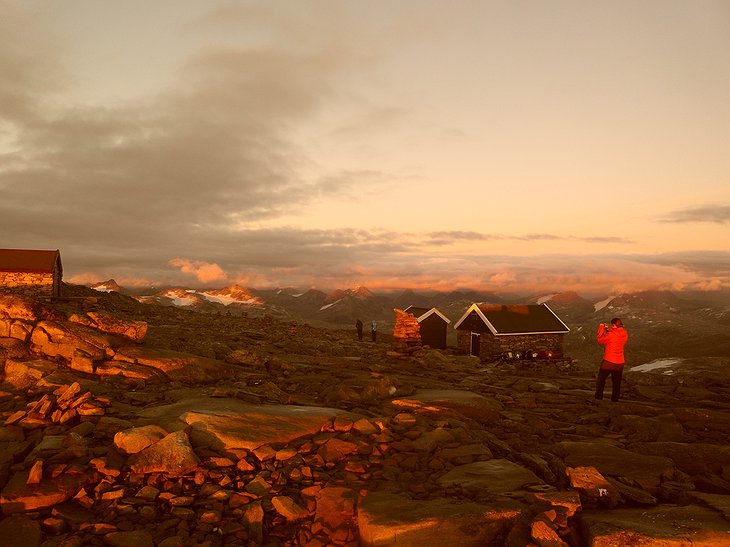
(613, 337)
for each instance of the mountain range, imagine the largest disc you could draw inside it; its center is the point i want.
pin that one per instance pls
(661, 323)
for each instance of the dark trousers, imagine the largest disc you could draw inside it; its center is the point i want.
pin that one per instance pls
(615, 382)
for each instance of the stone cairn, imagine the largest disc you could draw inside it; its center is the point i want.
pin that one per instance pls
(406, 334)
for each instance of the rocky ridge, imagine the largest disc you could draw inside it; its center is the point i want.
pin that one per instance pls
(124, 425)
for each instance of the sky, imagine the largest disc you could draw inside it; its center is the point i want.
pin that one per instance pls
(520, 146)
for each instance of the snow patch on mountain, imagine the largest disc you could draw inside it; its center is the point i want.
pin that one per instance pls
(598, 306)
(546, 298)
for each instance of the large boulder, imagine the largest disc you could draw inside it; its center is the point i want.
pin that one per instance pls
(62, 339)
(182, 367)
(612, 461)
(24, 374)
(389, 519)
(15, 328)
(438, 401)
(17, 307)
(496, 476)
(18, 496)
(112, 324)
(136, 439)
(692, 458)
(20, 531)
(172, 455)
(230, 423)
(661, 526)
(13, 348)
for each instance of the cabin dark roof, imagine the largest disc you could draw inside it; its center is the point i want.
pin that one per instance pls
(23, 260)
(517, 319)
(422, 313)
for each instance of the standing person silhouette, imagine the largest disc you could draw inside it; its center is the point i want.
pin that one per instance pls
(613, 338)
(374, 330)
(358, 327)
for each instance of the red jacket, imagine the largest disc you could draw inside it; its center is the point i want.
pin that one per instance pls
(613, 340)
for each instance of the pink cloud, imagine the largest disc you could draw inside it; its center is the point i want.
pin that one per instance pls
(205, 272)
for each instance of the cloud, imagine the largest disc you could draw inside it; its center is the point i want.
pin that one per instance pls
(208, 155)
(718, 214)
(203, 271)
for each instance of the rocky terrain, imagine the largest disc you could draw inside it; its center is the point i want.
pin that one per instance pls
(129, 424)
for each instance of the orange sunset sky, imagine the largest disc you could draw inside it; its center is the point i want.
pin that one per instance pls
(506, 146)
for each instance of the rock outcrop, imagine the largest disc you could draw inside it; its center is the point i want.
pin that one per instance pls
(114, 438)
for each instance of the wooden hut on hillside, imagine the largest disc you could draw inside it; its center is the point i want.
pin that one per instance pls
(491, 332)
(31, 272)
(433, 326)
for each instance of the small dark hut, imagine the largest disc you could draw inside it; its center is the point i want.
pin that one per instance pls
(433, 326)
(31, 272)
(520, 331)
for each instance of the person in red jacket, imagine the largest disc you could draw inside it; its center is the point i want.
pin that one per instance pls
(613, 338)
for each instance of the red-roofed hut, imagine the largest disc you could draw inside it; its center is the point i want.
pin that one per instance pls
(31, 272)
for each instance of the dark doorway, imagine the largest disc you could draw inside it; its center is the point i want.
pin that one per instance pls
(475, 341)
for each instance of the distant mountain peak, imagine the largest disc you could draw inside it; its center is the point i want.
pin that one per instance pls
(107, 286)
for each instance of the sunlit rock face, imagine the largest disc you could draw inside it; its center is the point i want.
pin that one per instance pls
(391, 519)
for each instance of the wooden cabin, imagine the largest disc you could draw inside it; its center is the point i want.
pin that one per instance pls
(31, 272)
(512, 332)
(433, 326)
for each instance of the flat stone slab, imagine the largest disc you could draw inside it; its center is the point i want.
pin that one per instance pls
(657, 527)
(613, 461)
(225, 423)
(390, 519)
(20, 497)
(498, 476)
(467, 403)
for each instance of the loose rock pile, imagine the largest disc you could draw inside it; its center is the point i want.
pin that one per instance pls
(306, 437)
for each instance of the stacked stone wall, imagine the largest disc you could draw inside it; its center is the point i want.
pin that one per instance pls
(491, 347)
(27, 283)
(406, 333)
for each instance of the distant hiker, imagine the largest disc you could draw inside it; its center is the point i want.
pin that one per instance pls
(374, 329)
(613, 337)
(358, 327)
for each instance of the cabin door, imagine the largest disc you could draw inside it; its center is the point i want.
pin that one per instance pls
(475, 341)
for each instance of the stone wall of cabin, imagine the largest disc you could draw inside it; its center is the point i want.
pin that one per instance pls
(491, 347)
(27, 283)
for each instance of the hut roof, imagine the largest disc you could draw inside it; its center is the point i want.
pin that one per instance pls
(517, 319)
(27, 260)
(422, 313)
